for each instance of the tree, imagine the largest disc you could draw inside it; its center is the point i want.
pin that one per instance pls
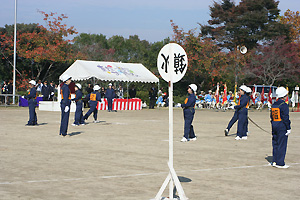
(293, 20)
(94, 47)
(43, 46)
(246, 24)
(275, 62)
(207, 63)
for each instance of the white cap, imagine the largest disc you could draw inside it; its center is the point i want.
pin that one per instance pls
(193, 87)
(96, 87)
(244, 88)
(65, 77)
(78, 85)
(110, 84)
(32, 82)
(281, 92)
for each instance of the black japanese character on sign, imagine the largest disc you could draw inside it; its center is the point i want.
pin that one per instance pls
(165, 63)
(179, 63)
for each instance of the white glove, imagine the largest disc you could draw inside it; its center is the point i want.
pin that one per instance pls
(52, 93)
(288, 132)
(22, 97)
(66, 108)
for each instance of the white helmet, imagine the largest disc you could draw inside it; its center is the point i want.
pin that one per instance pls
(249, 90)
(244, 88)
(281, 92)
(65, 77)
(32, 82)
(96, 87)
(78, 85)
(193, 87)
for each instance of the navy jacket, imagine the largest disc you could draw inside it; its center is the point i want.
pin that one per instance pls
(78, 96)
(280, 115)
(110, 93)
(31, 94)
(190, 101)
(243, 102)
(65, 95)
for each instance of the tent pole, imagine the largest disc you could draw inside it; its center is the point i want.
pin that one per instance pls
(127, 95)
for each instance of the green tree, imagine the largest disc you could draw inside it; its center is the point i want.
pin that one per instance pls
(246, 24)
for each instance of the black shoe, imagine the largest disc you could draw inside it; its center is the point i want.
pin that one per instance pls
(226, 132)
(29, 124)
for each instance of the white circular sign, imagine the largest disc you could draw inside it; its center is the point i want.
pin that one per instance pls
(172, 62)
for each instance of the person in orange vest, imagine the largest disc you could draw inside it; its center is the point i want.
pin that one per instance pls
(93, 98)
(31, 97)
(188, 113)
(65, 104)
(281, 128)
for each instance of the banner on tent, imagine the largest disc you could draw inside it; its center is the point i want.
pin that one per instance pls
(121, 104)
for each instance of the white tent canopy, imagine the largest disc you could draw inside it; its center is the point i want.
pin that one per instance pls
(110, 71)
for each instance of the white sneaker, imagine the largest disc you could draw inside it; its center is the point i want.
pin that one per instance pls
(282, 167)
(75, 125)
(82, 124)
(237, 138)
(244, 138)
(183, 139)
(96, 121)
(193, 139)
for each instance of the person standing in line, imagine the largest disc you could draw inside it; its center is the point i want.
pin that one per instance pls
(188, 113)
(132, 92)
(31, 97)
(78, 99)
(281, 128)
(51, 90)
(45, 91)
(152, 96)
(93, 99)
(110, 95)
(65, 104)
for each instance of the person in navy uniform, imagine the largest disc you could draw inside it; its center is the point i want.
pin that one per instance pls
(78, 99)
(65, 104)
(110, 95)
(31, 97)
(242, 114)
(236, 116)
(93, 99)
(45, 91)
(281, 128)
(188, 113)
(152, 96)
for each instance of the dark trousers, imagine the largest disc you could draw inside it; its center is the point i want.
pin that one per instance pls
(188, 119)
(109, 102)
(64, 120)
(78, 113)
(233, 120)
(93, 109)
(32, 113)
(152, 103)
(243, 122)
(279, 143)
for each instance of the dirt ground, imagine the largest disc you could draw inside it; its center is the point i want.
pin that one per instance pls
(125, 157)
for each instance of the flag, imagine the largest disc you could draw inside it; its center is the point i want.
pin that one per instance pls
(225, 95)
(262, 96)
(287, 98)
(234, 99)
(253, 94)
(270, 95)
(217, 94)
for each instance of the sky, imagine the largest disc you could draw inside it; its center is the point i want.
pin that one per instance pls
(149, 19)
